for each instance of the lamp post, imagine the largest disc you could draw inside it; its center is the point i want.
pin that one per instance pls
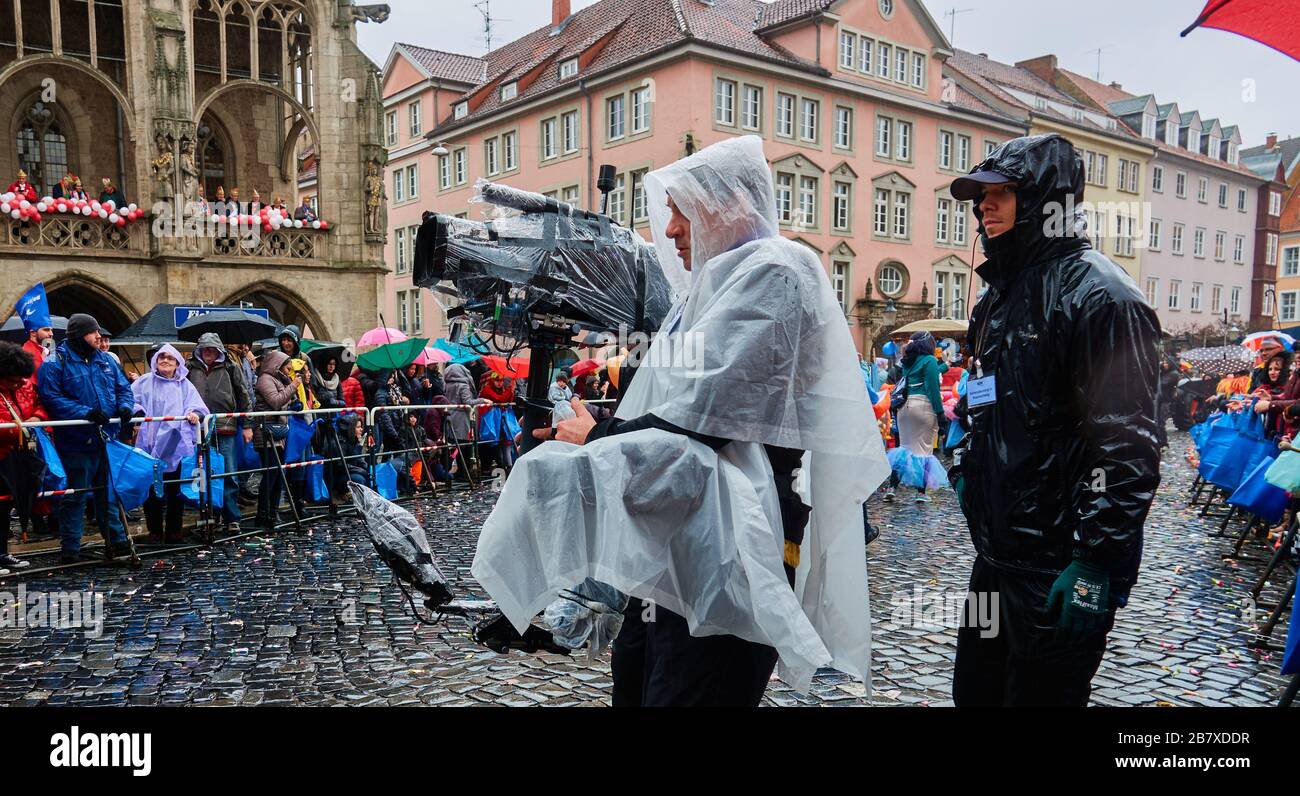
(889, 314)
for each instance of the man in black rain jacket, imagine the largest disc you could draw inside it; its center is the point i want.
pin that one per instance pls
(1062, 461)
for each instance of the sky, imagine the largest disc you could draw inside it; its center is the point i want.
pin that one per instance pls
(1220, 74)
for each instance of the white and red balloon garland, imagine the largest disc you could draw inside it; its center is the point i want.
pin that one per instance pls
(20, 209)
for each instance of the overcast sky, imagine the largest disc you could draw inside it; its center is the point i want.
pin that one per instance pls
(1139, 39)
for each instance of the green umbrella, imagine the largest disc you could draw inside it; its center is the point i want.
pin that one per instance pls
(392, 356)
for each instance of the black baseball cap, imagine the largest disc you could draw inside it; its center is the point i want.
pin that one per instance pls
(971, 187)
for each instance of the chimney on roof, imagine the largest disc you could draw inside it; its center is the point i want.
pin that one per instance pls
(1271, 141)
(1044, 66)
(983, 55)
(560, 11)
(1116, 86)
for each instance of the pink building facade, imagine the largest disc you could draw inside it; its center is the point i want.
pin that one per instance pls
(862, 132)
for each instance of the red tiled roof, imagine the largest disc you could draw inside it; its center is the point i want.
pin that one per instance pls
(783, 11)
(992, 76)
(1099, 93)
(630, 29)
(965, 100)
(446, 66)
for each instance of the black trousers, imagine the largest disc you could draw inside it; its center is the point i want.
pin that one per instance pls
(271, 488)
(167, 512)
(658, 663)
(1024, 663)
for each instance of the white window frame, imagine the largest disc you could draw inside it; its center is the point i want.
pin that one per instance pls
(1180, 184)
(416, 119)
(785, 110)
(947, 148)
(1291, 268)
(550, 138)
(1234, 301)
(1216, 299)
(1274, 203)
(492, 156)
(809, 188)
(510, 150)
(903, 140)
(843, 127)
(399, 249)
(963, 153)
(1153, 291)
(724, 102)
(391, 123)
(1175, 294)
(884, 136)
(641, 110)
(461, 110)
(1198, 242)
(1291, 297)
(509, 91)
(810, 111)
(1239, 249)
(1194, 301)
(848, 49)
(785, 197)
(460, 166)
(444, 172)
(569, 133)
(1153, 240)
(1203, 190)
(751, 107)
(1158, 179)
(1176, 242)
(568, 68)
(841, 206)
(615, 118)
(1220, 244)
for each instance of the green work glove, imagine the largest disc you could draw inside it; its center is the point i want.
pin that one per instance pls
(1079, 599)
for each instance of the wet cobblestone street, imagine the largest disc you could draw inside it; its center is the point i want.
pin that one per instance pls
(313, 618)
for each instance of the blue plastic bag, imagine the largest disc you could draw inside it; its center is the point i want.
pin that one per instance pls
(1291, 658)
(132, 474)
(498, 425)
(246, 457)
(1257, 496)
(56, 477)
(297, 448)
(216, 486)
(317, 491)
(385, 478)
(1226, 453)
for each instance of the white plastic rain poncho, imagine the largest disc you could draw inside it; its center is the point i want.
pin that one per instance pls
(755, 351)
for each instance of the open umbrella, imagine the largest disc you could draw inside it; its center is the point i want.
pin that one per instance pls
(933, 325)
(321, 352)
(433, 356)
(1219, 360)
(1259, 340)
(13, 331)
(232, 326)
(1273, 23)
(380, 336)
(515, 368)
(460, 354)
(584, 366)
(391, 356)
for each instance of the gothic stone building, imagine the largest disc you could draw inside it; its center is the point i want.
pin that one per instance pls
(170, 97)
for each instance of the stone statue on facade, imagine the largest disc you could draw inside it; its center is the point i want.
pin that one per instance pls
(375, 198)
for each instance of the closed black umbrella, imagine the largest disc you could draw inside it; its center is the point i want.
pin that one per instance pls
(232, 326)
(13, 331)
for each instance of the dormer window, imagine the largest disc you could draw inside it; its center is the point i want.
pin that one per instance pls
(1214, 148)
(1171, 133)
(1040, 103)
(462, 110)
(1232, 153)
(509, 91)
(1148, 126)
(1193, 139)
(568, 68)
(1078, 114)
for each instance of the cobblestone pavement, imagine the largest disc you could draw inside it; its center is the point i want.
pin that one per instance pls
(313, 619)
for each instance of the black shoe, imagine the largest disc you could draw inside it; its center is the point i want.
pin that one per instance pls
(12, 563)
(70, 558)
(121, 550)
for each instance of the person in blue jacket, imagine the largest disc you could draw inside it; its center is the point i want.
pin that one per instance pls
(83, 383)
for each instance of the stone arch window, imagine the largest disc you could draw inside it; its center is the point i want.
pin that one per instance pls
(42, 147)
(216, 157)
(265, 40)
(93, 31)
(237, 22)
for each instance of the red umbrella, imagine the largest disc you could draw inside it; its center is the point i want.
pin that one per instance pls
(1275, 23)
(584, 366)
(515, 369)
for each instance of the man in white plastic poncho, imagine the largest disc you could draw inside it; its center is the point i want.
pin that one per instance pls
(689, 497)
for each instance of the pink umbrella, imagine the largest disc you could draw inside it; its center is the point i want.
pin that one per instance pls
(432, 356)
(380, 336)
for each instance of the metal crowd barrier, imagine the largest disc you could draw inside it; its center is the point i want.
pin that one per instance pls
(374, 452)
